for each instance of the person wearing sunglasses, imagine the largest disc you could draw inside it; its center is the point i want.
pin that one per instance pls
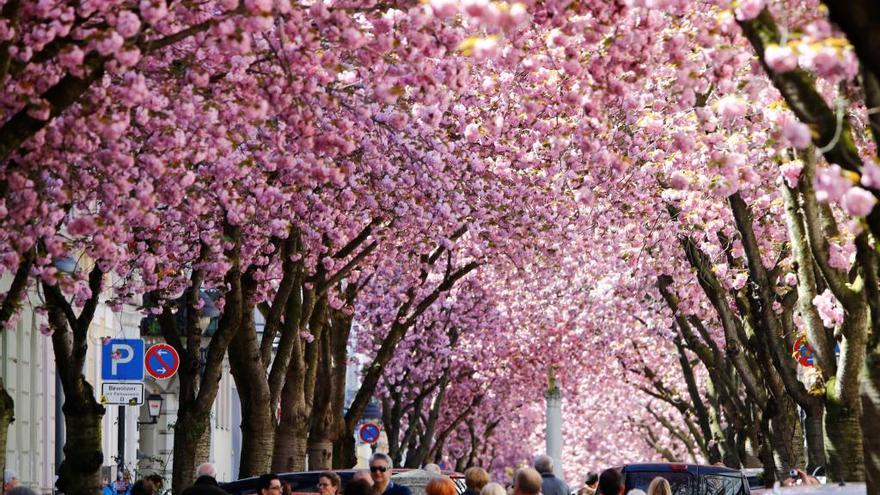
(380, 471)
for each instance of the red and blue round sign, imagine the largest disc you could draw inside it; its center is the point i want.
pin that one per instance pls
(161, 361)
(804, 353)
(369, 433)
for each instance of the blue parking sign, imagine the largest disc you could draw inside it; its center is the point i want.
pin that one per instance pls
(122, 359)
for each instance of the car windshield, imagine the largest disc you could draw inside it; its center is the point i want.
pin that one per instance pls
(722, 485)
(680, 482)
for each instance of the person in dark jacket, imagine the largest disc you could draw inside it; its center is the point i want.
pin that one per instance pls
(550, 484)
(475, 478)
(206, 482)
(380, 471)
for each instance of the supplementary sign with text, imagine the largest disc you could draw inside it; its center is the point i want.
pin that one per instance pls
(124, 394)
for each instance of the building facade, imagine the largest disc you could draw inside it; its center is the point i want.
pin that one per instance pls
(35, 440)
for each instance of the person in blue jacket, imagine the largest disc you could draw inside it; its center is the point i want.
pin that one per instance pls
(380, 471)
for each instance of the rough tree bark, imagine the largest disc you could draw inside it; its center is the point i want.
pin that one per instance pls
(199, 382)
(79, 473)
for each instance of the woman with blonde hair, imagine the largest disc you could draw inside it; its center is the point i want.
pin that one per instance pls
(493, 489)
(659, 486)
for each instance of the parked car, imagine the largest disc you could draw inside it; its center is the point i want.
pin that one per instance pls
(306, 482)
(687, 479)
(754, 477)
(829, 489)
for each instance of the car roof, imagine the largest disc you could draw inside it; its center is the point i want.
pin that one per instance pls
(250, 483)
(829, 489)
(669, 467)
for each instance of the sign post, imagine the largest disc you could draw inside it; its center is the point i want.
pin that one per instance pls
(122, 376)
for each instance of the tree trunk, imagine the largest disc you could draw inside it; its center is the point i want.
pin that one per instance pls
(189, 430)
(320, 456)
(7, 416)
(871, 413)
(290, 454)
(814, 433)
(257, 417)
(328, 420)
(79, 473)
(843, 438)
(345, 450)
(787, 437)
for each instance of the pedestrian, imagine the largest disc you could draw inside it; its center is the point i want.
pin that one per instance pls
(359, 486)
(329, 483)
(380, 471)
(363, 474)
(286, 488)
(441, 486)
(659, 486)
(143, 487)
(107, 487)
(269, 484)
(475, 478)
(10, 480)
(123, 484)
(550, 484)
(493, 489)
(206, 482)
(610, 483)
(157, 480)
(590, 484)
(527, 481)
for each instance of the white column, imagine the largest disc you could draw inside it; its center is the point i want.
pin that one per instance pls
(554, 425)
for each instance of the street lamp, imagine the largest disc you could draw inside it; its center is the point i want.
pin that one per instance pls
(154, 403)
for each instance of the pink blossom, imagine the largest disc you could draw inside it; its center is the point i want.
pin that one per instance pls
(830, 184)
(871, 174)
(780, 58)
(444, 8)
(829, 309)
(839, 256)
(486, 48)
(153, 11)
(128, 24)
(472, 132)
(110, 43)
(84, 225)
(731, 108)
(858, 202)
(749, 9)
(259, 6)
(71, 58)
(678, 180)
(791, 172)
(797, 133)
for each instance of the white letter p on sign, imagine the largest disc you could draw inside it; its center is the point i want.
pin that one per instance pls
(126, 354)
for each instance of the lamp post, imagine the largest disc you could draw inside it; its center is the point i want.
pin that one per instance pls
(554, 421)
(154, 405)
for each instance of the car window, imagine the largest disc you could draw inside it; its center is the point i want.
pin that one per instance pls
(680, 482)
(722, 485)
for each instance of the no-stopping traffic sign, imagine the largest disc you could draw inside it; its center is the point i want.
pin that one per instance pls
(161, 361)
(369, 432)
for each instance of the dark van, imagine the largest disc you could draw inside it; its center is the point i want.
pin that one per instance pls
(687, 479)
